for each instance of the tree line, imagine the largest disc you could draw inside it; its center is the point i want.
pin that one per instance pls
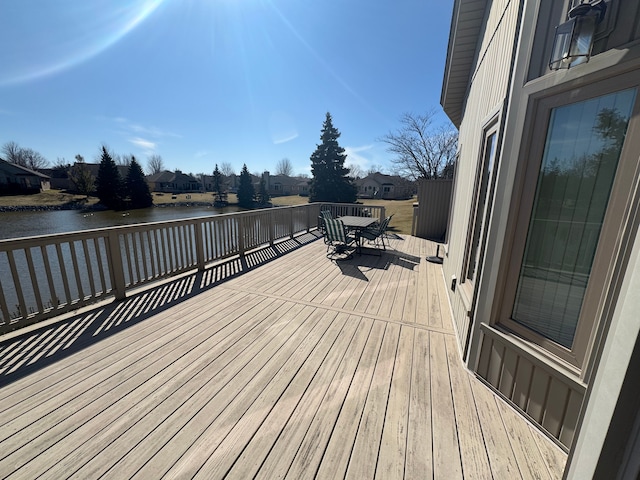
(419, 148)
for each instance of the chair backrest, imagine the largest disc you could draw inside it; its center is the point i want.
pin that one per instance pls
(326, 214)
(335, 231)
(384, 225)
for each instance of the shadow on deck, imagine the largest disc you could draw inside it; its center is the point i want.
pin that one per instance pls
(24, 351)
(304, 369)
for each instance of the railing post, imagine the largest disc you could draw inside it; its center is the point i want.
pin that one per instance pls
(307, 209)
(199, 227)
(115, 265)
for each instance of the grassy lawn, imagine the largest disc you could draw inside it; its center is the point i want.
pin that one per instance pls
(48, 198)
(402, 210)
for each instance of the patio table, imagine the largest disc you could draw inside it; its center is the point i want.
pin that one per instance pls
(357, 224)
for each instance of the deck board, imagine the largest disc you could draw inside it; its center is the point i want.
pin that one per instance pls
(298, 368)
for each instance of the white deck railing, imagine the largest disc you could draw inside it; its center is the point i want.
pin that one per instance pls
(48, 275)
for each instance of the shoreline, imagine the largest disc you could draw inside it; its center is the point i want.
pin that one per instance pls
(92, 208)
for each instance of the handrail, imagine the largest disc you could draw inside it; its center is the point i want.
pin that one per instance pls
(47, 275)
(52, 274)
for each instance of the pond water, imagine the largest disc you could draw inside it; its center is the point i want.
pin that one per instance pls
(27, 224)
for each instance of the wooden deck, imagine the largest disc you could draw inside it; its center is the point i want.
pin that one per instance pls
(298, 368)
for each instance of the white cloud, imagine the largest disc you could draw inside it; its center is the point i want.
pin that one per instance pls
(355, 155)
(282, 127)
(146, 145)
(201, 153)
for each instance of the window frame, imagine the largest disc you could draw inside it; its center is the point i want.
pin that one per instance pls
(490, 128)
(600, 287)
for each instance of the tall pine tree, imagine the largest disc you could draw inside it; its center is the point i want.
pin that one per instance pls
(330, 182)
(108, 182)
(137, 186)
(246, 192)
(217, 181)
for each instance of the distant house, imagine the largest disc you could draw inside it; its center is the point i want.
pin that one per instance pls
(15, 179)
(279, 185)
(173, 182)
(388, 187)
(61, 178)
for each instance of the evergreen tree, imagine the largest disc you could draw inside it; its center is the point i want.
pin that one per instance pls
(137, 186)
(108, 182)
(330, 182)
(246, 191)
(263, 193)
(217, 181)
(81, 177)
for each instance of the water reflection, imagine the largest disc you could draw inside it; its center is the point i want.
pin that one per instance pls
(27, 224)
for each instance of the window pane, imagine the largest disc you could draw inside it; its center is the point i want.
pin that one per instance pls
(489, 156)
(580, 158)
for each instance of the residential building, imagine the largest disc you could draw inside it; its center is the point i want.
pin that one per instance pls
(542, 256)
(279, 185)
(173, 182)
(15, 179)
(387, 187)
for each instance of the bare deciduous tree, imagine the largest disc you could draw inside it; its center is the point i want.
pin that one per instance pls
(284, 167)
(355, 171)
(226, 169)
(375, 168)
(123, 160)
(25, 157)
(11, 152)
(422, 149)
(155, 164)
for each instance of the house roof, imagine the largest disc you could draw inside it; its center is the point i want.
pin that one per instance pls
(171, 177)
(284, 180)
(20, 170)
(466, 26)
(380, 178)
(93, 169)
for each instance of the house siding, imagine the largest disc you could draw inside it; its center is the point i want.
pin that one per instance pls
(553, 394)
(487, 91)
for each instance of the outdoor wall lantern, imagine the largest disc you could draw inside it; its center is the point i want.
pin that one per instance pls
(574, 38)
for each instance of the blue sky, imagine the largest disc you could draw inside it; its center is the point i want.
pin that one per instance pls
(201, 82)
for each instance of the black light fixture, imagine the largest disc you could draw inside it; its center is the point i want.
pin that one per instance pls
(574, 38)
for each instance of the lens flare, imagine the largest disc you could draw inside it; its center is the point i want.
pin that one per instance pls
(45, 38)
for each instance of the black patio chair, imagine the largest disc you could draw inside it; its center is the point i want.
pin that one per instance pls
(339, 243)
(376, 233)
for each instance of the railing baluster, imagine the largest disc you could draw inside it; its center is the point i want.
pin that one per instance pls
(76, 270)
(22, 306)
(55, 301)
(3, 306)
(87, 259)
(34, 280)
(63, 274)
(199, 229)
(144, 250)
(174, 249)
(115, 264)
(98, 250)
(127, 258)
(136, 257)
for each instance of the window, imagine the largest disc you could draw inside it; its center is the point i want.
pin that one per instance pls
(570, 219)
(481, 211)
